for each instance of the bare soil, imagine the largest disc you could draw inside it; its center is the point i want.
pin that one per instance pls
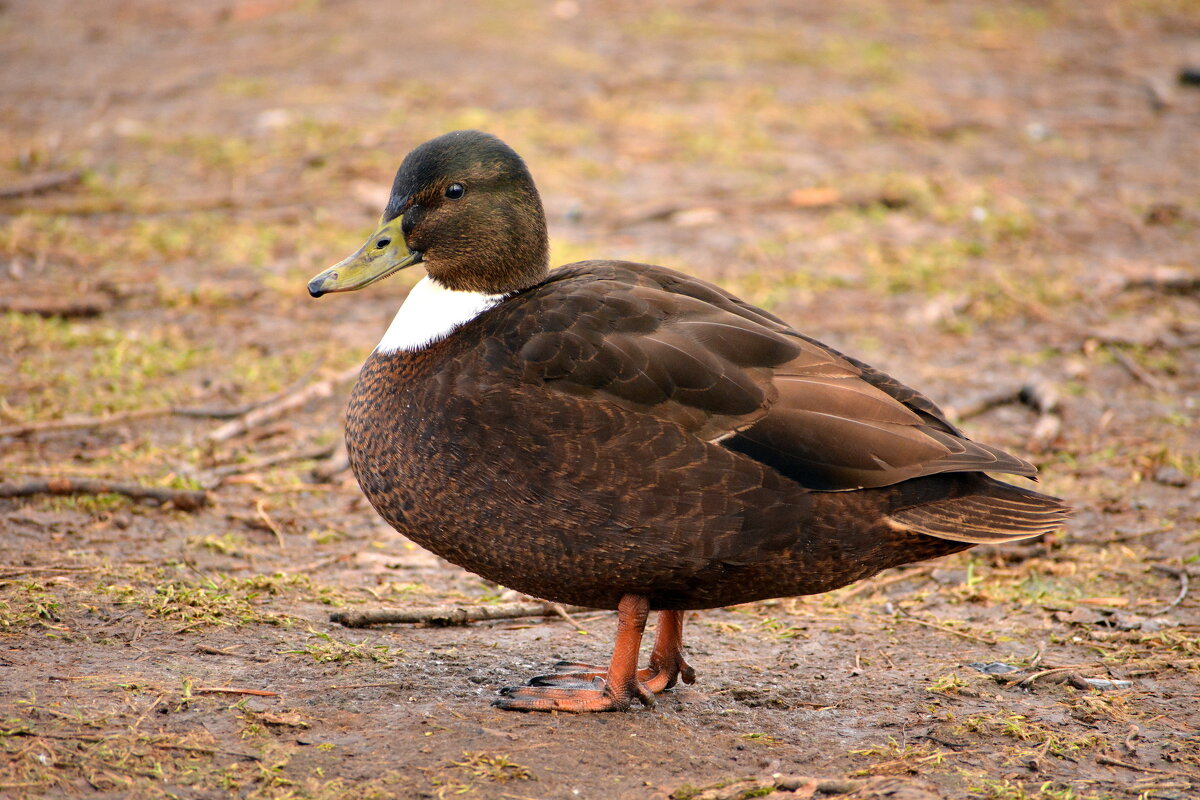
(974, 197)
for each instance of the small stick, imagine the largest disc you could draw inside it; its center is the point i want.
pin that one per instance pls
(183, 499)
(40, 183)
(879, 583)
(88, 305)
(1182, 575)
(803, 786)
(74, 423)
(1134, 730)
(272, 460)
(1103, 759)
(442, 616)
(17, 572)
(321, 563)
(218, 412)
(1061, 675)
(338, 461)
(206, 750)
(231, 690)
(1139, 373)
(984, 404)
(261, 509)
(71, 423)
(1168, 280)
(278, 408)
(142, 717)
(946, 629)
(562, 612)
(828, 786)
(339, 687)
(1041, 397)
(215, 651)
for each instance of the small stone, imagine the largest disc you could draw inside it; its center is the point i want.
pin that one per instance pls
(695, 217)
(1163, 214)
(273, 119)
(1124, 621)
(1171, 476)
(949, 577)
(994, 668)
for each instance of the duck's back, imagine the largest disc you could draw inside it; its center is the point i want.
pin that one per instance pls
(626, 429)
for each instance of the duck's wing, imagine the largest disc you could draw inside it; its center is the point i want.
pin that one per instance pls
(663, 343)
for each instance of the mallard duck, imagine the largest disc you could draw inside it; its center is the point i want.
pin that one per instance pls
(625, 436)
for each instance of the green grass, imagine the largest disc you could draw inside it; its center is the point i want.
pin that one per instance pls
(328, 650)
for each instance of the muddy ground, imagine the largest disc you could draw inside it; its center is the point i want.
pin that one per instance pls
(975, 197)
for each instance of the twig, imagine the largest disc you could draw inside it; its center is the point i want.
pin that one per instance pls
(218, 412)
(260, 509)
(337, 462)
(231, 690)
(183, 499)
(1169, 280)
(1059, 675)
(827, 786)
(321, 563)
(879, 583)
(1139, 373)
(562, 612)
(215, 651)
(946, 629)
(16, 572)
(443, 616)
(40, 183)
(278, 408)
(142, 717)
(804, 787)
(1103, 759)
(206, 750)
(73, 423)
(1041, 397)
(817, 198)
(86, 305)
(272, 460)
(340, 687)
(1182, 575)
(984, 404)
(152, 741)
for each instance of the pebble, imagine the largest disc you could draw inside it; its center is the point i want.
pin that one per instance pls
(1171, 476)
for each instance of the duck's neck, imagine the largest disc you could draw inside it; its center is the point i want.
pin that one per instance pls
(430, 313)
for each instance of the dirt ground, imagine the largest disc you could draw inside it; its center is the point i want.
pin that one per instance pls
(975, 197)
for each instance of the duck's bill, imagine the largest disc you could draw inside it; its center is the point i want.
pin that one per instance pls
(384, 254)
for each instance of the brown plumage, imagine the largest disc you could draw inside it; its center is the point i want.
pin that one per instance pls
(624, 436)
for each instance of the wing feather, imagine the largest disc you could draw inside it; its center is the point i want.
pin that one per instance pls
(685, 351)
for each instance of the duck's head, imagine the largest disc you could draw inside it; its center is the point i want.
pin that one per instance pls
(463, 205)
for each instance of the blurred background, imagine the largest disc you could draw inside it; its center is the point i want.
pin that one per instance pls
(997, 203)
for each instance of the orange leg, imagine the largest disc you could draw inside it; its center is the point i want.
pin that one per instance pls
(666, 659)
(583, 687)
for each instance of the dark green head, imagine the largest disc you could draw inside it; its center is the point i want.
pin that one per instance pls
(465, 206)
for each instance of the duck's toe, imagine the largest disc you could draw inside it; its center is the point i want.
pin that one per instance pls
(576, 700)
(663, 674)
(569, 680)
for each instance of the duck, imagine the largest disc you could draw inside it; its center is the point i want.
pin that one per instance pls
(626, 436)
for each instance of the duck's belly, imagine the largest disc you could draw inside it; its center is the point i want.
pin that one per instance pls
(580, 502)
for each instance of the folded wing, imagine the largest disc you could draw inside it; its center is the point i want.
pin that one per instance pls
(666, 344)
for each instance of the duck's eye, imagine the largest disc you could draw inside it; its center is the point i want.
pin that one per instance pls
(455, 191)
(382, 243)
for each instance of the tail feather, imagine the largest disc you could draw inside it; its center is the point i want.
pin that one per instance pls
(992, 512)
